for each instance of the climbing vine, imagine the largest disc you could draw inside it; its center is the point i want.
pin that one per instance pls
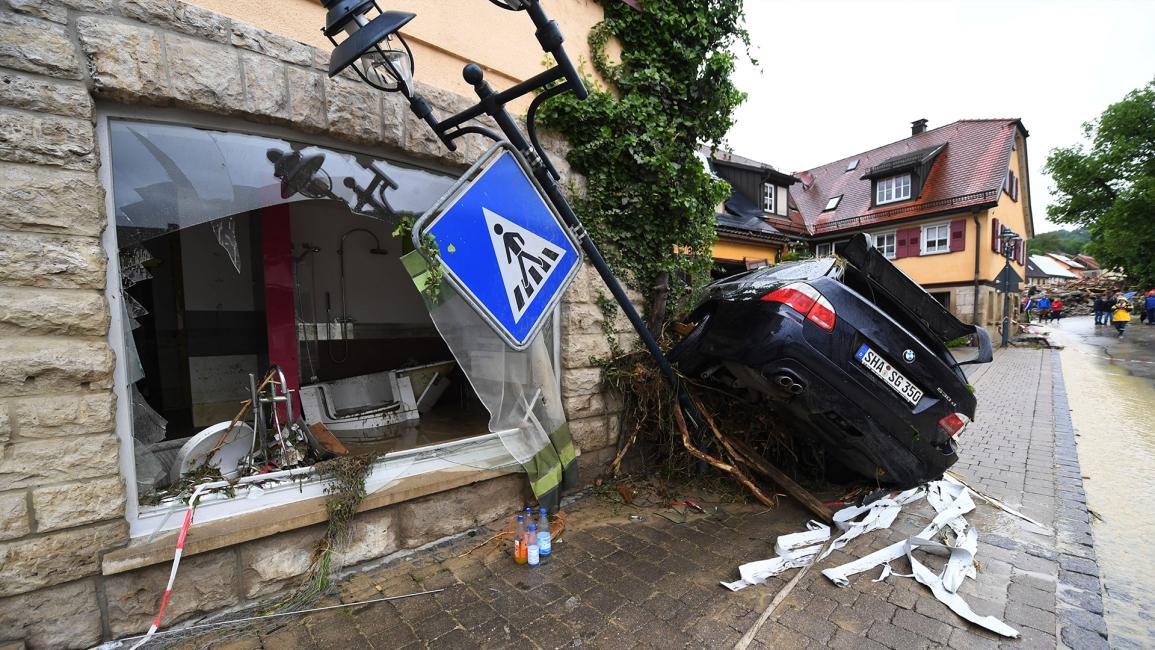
(650, 203)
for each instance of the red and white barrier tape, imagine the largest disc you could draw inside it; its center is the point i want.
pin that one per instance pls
(188, 515)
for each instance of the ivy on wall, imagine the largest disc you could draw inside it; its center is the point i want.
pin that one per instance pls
(650, 203)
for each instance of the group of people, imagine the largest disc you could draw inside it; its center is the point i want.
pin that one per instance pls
(1117, 310)
(1109, 310)
(1042, 308)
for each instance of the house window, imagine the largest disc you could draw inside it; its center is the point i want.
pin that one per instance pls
(936, 238)
(852, 165)
(889, 190)
(824, 250)
(885, 243)
(832, 203)
(768, 192)
(216, 278)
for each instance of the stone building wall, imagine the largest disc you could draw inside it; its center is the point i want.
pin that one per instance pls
(62, 498)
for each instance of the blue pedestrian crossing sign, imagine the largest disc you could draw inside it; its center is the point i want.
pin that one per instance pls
(503, 245)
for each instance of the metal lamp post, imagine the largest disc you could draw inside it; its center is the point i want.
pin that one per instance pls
(377, 52)
(1008, 237)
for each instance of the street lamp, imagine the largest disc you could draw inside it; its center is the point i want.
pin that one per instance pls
(371, 48)
(1009, 239)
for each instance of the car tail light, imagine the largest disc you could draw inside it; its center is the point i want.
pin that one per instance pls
(953, 424)
(805, 300)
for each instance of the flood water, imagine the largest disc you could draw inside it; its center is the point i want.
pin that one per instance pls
(1111, 387)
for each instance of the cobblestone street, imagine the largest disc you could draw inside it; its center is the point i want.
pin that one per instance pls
(614, 582)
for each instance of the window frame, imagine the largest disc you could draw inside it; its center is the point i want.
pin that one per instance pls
(769, 197)
(891, 183)
(482, 450)
(836, 200)
(893, 234)
(829, 249)
(922, 244)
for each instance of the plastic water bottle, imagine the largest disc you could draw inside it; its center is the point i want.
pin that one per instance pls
(532, 556)
(519, 554)
(544, 543)
(529, 518)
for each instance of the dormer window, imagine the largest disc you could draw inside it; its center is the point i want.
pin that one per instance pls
(768, 192)
(889, 190)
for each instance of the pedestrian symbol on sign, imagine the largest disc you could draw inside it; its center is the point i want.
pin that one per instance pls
(525, 259)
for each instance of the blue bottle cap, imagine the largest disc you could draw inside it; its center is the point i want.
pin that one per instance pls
(533, 526)
(543, 511)
(521, 517)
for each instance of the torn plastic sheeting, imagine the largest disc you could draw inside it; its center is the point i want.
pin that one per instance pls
(795, 550)
(952, 600)
(948, 512)
(951, 500)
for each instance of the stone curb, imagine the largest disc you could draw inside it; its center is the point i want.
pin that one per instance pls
(1079, 606)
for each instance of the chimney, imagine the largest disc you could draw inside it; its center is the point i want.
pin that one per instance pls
(918, 126)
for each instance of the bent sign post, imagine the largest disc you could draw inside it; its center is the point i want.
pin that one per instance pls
(503, 246)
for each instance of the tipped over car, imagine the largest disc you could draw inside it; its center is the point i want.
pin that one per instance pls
(847, 349)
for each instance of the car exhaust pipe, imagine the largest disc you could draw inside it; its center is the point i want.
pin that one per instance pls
(790, 384)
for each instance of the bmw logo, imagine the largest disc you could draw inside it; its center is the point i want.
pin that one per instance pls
(908, 356)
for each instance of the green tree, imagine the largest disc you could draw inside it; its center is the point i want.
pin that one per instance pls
(1107, 185)
(650, 203)
(1071, 242)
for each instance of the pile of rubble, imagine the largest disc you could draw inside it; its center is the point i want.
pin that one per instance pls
(1079, 296)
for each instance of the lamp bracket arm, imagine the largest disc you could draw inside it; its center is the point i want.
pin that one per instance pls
(531, 125)
(475, 130)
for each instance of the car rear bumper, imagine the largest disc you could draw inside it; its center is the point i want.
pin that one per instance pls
(852, 416)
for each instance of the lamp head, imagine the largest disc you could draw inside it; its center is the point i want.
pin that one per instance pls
(372, 44)
(296, 171)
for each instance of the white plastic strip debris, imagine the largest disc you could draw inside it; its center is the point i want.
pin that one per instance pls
(950, 499)
(795, 550)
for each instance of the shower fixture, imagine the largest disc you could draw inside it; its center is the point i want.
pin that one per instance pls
(344, 319)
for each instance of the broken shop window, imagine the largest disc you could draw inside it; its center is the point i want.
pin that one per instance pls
(269, 321)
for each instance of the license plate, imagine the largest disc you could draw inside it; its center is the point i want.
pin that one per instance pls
(887, 373)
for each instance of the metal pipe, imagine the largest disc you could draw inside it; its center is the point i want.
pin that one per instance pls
(978, 247)
(376, 250)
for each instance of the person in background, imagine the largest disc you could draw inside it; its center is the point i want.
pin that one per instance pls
(1057, 309)
(1121, 313)
(1149, 307)
(1044, 307)
(1100, 305)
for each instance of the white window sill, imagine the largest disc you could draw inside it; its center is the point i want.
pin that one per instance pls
(923, 253)
(223, 521)
(290, 486)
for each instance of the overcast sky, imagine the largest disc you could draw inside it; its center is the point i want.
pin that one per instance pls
(835, 78)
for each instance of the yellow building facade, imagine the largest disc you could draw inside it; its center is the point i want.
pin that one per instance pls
(444, 36)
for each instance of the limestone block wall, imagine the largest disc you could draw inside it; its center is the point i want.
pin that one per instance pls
(62, 499)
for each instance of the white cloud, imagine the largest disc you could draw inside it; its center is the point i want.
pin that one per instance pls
(838, 77)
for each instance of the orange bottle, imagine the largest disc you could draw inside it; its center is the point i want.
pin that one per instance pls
(520, 554)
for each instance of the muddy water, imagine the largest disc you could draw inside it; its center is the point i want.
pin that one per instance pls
(1111, 388)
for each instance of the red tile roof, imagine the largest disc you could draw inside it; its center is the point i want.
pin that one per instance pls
(969, 171)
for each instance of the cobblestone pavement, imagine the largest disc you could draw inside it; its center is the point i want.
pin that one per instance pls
(614, 582)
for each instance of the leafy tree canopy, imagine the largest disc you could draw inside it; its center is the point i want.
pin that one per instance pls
(650, 203)
(1107, 185)
(1071, 242)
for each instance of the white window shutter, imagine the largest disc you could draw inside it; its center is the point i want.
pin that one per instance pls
(780, 202)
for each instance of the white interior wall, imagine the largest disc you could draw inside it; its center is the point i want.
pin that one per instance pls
(377, 287)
